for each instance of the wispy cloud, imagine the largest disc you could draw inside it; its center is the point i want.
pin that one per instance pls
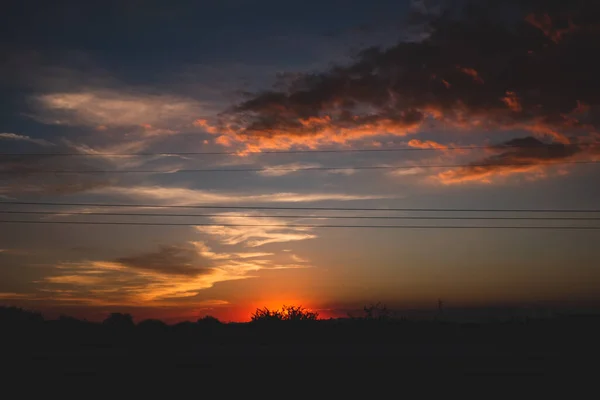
(524, 156)
(14, 252)
(285, 169)
(255, 236)
(24, 138)
(110, 282)
(298, 259)
(78, 280)
(186, 196)
(13, 296)
(112, 108)
(205, 251)
(406, 171)
(164, 277)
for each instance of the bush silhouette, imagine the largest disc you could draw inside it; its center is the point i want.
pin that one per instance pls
(266, 315)
(299, 313)
(286, 313)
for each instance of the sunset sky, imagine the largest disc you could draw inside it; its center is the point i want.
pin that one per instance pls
(498, 105)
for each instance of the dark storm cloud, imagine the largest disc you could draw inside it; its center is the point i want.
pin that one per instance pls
(530, 65)
(169, 260)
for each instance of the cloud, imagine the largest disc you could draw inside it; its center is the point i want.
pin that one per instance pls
(113, 108)
(168, 260)
(285, 169)
(254, 236)
(426, 144)
(186, 196)
(529, 151)
(206, 252)
(132, 280)
(483, 66)
(75, 279)
(20, 175)
(25, 138)
(13, 296)
(170, 276)
(298, 259)
(407, 171)
(14, 252)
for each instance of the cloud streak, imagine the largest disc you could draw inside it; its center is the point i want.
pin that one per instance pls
(255, 236)
(186, 196)
(24, 138)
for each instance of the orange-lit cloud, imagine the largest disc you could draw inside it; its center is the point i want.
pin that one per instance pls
(12, 295)
(472, 73)
(187, 196)
(426, 144)
(313, 132)
(528, 157)
(512, 101)
(545, 23)
(466, 76)
(169, 276)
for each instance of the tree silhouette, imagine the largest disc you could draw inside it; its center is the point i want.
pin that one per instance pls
(16, 315)
(377, 311)
(374, 312)
(119, 321)
(152, 325)
(208, 320)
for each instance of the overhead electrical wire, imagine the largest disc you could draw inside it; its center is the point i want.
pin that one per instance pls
(378, 217)
(373, 150)
(516, 210)
(304, 225)
(289, 169)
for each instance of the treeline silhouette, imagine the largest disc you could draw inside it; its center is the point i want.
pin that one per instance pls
(296, 324)
(293, 336)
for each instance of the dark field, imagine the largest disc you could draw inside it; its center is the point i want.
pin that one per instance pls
(67, 348)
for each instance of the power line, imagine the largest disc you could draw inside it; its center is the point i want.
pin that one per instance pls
(563, 210)
(193, 153)
(377, 167)
(302, 216)
(303, 225)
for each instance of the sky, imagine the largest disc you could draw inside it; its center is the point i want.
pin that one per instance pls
(494, 106)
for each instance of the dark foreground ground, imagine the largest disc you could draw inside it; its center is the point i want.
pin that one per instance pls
(384, 351)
